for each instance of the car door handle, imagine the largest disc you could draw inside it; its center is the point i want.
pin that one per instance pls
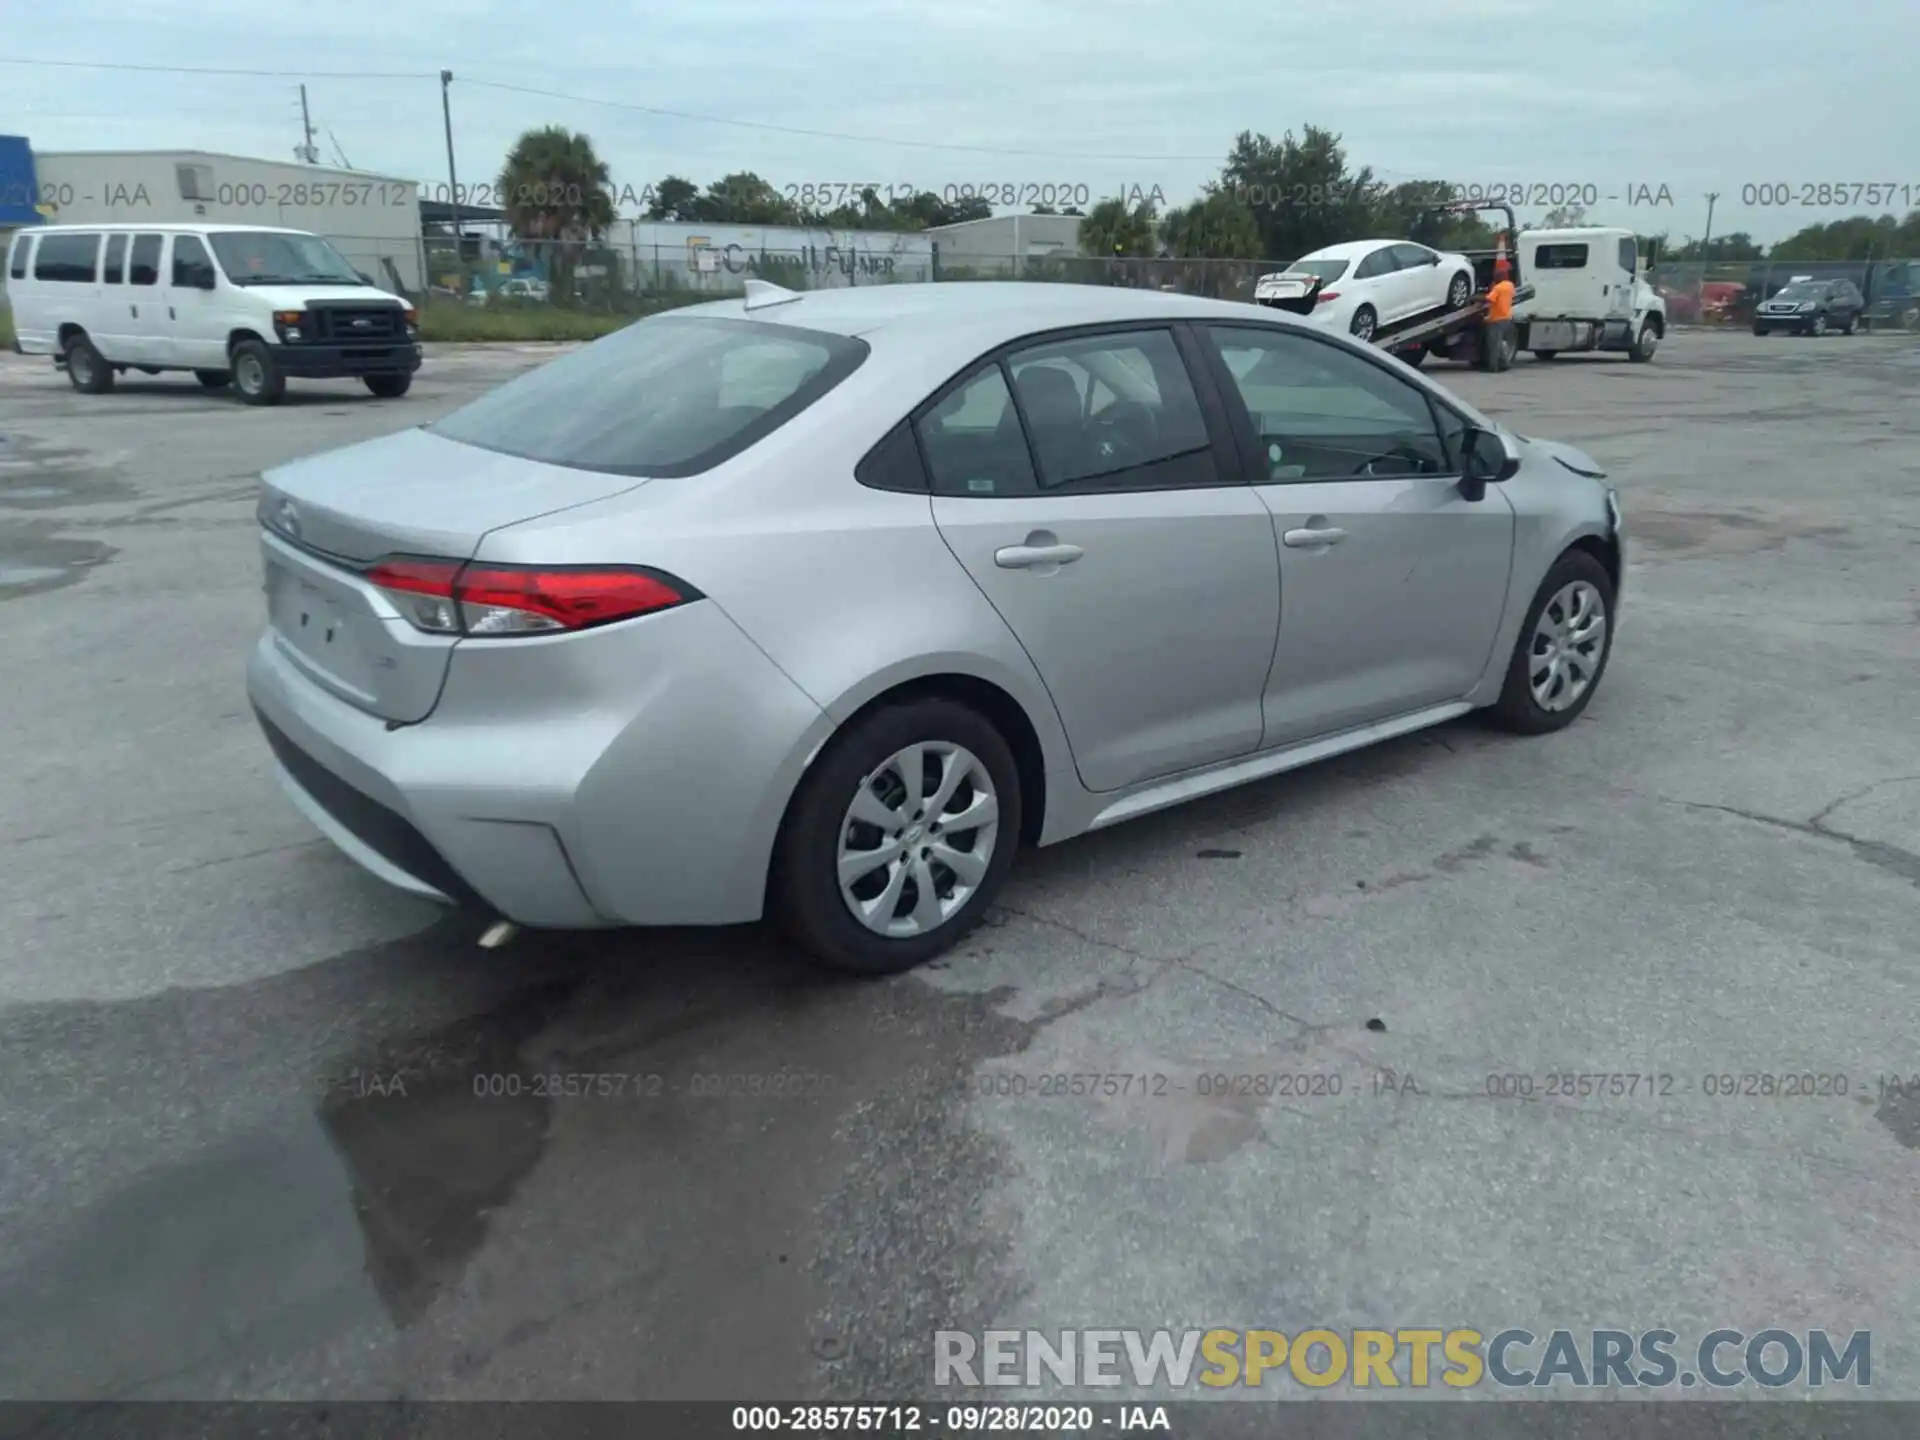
(1025, 557)
(1313, 539)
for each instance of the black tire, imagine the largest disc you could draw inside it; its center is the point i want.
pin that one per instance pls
(804, 897)
(1459, 290)
(1516, 710)
(1645, 341)
(214, 379)
(1852, 325)
(87, 368)
(1415, 357)
(1365, 321)
(388, 387)
(1545, 354)
(1818, 325)
(1761, 330)
(256, 374)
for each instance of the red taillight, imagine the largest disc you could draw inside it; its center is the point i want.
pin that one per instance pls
(445, 598)
(1326, 295)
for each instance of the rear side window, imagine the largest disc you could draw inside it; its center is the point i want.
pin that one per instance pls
(17, 266)
(69, 258)
(116, 260)
(665, 397)
(1560, 257)
(145, 269)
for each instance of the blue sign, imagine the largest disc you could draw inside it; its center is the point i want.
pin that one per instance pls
(19, 185)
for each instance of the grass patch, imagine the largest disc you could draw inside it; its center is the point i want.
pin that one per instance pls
(458, 324)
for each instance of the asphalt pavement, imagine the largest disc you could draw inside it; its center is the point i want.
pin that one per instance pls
(268, 1129)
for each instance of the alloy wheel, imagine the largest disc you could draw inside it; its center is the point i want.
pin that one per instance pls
(249, 374)
(1569, 642)
(917, 839)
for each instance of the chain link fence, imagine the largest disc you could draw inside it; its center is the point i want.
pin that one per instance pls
(637, 279)
(1726, 293)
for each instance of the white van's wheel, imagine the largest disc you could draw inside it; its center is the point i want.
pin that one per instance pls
(87, 369)
(213, 379)
(256, 374)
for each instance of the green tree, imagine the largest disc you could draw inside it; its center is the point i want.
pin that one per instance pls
(674, 198)
(1218, 226)
(1561, 217)
(743, 198)
(556, 193)
(1112, 229)
(1858, 237)
(1301, 192)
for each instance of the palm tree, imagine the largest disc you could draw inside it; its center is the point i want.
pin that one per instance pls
(556, 192)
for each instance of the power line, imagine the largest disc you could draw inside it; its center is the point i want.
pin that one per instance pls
(760, 125)
(215, 70)
(826, 134)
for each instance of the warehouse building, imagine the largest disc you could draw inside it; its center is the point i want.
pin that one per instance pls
(1002, 244)
(373, 220)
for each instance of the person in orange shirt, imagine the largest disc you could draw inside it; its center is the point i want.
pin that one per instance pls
(1498, 327)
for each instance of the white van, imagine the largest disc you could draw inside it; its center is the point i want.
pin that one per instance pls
(1590, 292)
(238, 305)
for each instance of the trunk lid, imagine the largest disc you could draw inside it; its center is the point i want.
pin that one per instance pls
(325, 519)
(1291, 290)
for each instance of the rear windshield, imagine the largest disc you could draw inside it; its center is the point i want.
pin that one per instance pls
(1325, 269)
(1560, 257)
(664, 397)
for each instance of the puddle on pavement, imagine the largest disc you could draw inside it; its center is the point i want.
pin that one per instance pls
(33, 561)
(367, 1163)
(45, 477)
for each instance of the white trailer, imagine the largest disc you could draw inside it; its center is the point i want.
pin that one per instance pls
(373, 220)
(1590, 292)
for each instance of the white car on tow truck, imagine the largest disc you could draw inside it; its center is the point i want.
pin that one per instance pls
(1369, 285)
(1590, 292)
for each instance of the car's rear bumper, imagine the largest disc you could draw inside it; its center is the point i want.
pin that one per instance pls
(326, 362)
(635, 775)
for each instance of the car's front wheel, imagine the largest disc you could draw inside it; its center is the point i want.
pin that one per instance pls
(898, 838)
(1459, 289)
(388, 387)
(1562, 650)
(257, 377)
(1818, 325)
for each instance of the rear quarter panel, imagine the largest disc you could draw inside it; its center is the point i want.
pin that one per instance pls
(850, 591)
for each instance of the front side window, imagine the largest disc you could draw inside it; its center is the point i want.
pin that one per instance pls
(667, 396)
(71, 258)
(190, 260)
(1113, 410)
(1320, 413)
(1628, 257)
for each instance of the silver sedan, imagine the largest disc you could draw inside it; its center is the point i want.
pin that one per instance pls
(820, 607)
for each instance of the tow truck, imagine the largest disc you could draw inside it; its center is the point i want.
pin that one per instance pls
(1445, 335)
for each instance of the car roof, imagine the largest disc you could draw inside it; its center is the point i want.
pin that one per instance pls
(1577, 232)
(1352, 249)
(189, 227)
(976, 310)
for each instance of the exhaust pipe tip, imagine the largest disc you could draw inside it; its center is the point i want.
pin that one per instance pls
(498, 934)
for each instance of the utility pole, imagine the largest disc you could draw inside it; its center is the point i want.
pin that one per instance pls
(307, 151)
(1705, 253)
(453, 181)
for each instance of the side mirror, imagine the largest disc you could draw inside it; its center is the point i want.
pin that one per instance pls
(1486, 458)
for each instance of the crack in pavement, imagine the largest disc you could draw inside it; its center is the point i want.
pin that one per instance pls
(1878, 853)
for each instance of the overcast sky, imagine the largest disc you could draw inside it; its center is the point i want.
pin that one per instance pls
(1615, 95)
